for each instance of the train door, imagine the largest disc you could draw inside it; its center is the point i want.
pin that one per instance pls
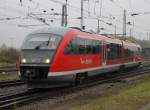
(103, 53)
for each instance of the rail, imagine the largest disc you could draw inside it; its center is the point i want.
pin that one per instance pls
(27, 96)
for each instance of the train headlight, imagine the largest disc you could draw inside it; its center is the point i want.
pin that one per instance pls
(23, 60)
(47, 61)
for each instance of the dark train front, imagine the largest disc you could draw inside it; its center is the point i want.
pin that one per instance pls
(37, 53)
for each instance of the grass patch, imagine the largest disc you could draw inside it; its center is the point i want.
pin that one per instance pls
(8, 76)
(4, 64)
(132, 97)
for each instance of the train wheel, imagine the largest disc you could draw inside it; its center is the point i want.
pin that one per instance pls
(122, 67)
(80, 78)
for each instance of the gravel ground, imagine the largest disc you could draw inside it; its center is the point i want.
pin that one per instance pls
(146, 107)
(80, 97)
(12, 89)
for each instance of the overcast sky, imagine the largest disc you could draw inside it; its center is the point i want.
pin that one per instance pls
(16, 21)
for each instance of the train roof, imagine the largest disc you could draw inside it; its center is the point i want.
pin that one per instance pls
(54, 30)
(130, 44)
(63, 30)
(109, 39)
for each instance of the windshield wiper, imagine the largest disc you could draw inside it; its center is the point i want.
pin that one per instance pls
(48, 41)
(43, 43)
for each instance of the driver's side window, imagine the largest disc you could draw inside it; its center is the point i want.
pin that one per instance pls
(70, 48)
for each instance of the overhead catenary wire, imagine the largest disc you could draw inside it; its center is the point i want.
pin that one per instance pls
(76, 8)
(86, 11)
(130, 5)
(56, 1)
(9, 18)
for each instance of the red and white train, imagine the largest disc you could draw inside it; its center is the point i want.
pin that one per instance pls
(59, 55)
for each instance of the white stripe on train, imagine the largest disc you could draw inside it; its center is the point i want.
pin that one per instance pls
(84, 70)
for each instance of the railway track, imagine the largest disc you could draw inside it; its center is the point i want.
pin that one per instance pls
(119, 77)
(10, 83)
(11, 100)
(8, 69)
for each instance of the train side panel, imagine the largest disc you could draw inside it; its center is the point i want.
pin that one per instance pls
(74, 61)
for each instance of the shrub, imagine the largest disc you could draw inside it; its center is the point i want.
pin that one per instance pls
(9, 55)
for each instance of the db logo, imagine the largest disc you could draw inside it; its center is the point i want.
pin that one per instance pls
(86, 61)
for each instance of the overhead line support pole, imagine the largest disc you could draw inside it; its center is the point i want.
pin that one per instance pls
(82, 26)
(124, 24)
(64, 15)
(66, 20)
(98, 20)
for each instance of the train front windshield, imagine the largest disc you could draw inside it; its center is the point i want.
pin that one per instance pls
(39, 48)
(41, 42)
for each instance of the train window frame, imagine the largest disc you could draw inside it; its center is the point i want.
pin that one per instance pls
(129, 51)
(112, 50)
(82, 46)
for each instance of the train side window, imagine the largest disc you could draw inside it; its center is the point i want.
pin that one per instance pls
(89, 46)
(71, 47)
(96, 47)
(83, 46)
(129, 53)
(114, 51)
(139, 51)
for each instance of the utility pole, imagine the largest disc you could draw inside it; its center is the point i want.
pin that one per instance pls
(115, 31)
(82, 26)
(66, 21)
(62, 18)
(64, 15)
(124, 24)
(147, 35)
(98, 26)
(131, 32)
(133, 26)
(98, 20)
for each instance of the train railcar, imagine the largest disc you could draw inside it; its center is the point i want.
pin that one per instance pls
(58, 55)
